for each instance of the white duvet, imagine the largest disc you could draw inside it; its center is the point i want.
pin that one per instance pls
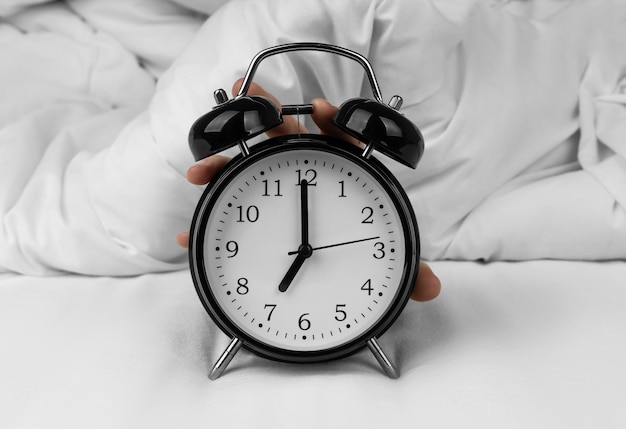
(522, 105)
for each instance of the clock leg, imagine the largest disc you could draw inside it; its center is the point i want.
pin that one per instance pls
(383, 360)
(225, 358)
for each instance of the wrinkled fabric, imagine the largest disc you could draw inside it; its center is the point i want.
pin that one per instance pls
(523, 114)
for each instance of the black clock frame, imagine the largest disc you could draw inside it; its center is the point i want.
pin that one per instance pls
(294, 143)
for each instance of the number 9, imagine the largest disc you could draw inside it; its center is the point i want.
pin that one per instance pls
(233, 248)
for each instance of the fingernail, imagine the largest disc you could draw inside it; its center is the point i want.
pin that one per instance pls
(322, 100)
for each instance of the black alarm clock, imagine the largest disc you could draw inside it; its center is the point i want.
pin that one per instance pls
(304, 248)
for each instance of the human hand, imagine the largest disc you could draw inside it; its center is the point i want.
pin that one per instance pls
(427, 285)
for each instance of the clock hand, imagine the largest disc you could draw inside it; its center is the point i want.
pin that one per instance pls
(304, 211)
(304, 252)
(337, 244)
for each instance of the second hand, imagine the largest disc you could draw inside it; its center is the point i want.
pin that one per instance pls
(339, 244)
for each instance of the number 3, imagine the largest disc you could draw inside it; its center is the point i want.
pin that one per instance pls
(380, 252)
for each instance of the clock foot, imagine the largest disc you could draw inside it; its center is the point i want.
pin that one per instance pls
(225, 358)
(383, 360)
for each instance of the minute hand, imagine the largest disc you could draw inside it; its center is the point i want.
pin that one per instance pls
(339, 244)
(304, 211)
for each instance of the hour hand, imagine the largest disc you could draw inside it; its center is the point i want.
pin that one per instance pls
(304, 252)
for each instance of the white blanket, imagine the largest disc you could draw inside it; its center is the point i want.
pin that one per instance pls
(523, 111)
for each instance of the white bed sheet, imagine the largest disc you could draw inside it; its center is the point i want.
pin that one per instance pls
(531, 344)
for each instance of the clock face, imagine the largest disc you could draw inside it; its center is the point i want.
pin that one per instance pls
(304, 272)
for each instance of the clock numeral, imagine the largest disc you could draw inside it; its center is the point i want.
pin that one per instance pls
(242, 287)
(251, 214)
(267, 187)
(233, 248)
(367, 286)
(369, 213)
(304, 323)
(380, 250)
(341, 314)
(309, 175)
(342, 194)
(272, 307)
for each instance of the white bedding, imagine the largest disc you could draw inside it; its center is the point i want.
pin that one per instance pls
(523, 108)
(523, 112)
(537, 344)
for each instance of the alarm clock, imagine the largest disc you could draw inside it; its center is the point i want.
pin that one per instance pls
(304, 247)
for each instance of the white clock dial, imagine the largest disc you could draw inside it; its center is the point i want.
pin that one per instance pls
(349, 279)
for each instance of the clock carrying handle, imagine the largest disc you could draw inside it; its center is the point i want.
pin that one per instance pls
(310, 46)
(380, 126)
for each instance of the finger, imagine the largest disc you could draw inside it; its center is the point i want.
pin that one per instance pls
(203, 171)
(427, 286)
(323, 114)
(290, 124)
(182, 238)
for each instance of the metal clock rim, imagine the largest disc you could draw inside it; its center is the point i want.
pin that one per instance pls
(301, 142)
